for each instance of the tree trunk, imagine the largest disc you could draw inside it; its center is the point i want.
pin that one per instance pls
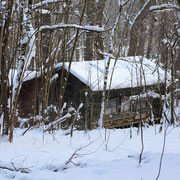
(135, 32)
(22, 59)
(141, 41)
(150, 38)
(4, 68)
(99, 21)
(89, 39)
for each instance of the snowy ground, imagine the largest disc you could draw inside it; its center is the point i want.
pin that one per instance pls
(46, 156)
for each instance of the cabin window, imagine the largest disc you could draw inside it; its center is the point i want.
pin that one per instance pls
(139, 105)
(125, 104)
(111, 106)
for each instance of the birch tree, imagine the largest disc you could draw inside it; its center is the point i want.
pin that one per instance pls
(26, 45)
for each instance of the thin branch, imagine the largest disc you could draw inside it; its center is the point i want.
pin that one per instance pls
(75, 26)
(47, 2)
(164, 7)
(163, 149)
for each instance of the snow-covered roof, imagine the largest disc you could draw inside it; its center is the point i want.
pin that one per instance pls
(128, 72)
(28, 75)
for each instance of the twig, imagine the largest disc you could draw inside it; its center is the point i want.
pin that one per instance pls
(163, 149)
(22, 170)
(26, 130)
(142, 143)
(76, 155)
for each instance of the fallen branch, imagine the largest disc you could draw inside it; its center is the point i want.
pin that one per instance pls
(59, 120)
(76, 154)
(12, 167)
(26, 130)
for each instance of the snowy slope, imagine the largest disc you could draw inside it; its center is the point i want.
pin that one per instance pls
(43, 155)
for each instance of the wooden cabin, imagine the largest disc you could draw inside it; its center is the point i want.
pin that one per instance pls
(133, 85)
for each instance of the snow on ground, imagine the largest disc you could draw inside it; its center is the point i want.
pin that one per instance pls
(44, 154)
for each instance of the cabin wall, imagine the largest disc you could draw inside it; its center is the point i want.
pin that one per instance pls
(127, 111)
(27, 100)
(75, 94)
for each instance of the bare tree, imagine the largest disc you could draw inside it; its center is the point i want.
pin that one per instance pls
(4, 64)
(137, 29)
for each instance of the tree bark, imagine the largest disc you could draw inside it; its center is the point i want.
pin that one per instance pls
(4, 68)
(99, 20)
(89, 39)
(135, 32)
(22, 60)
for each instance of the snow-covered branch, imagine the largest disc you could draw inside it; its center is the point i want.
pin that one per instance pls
(47, 2)
(59, 120)
(164, 7)
(140, 12)
(61, 26)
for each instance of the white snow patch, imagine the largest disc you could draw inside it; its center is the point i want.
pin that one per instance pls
(46, 155)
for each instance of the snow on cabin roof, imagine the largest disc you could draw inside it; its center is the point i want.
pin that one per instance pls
(128, 72)
(28, 75)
